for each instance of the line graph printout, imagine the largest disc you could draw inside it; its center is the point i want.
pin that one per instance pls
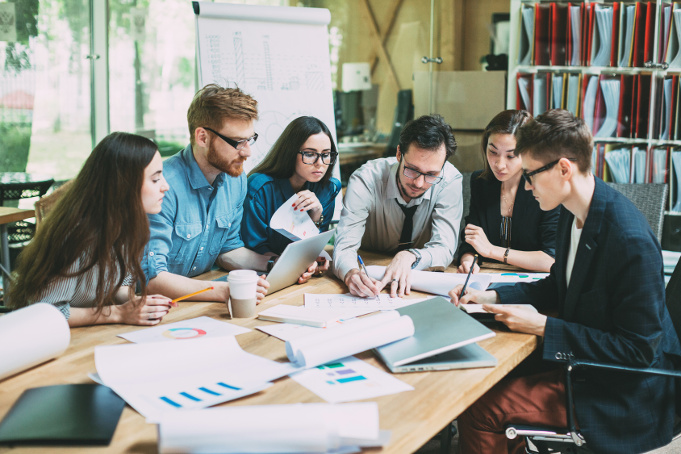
(278, 55)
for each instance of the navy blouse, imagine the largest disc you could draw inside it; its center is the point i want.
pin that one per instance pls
(265, 196)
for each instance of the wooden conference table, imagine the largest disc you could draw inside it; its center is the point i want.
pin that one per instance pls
(414, 417)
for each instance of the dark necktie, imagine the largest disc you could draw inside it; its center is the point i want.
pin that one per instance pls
(407, 228)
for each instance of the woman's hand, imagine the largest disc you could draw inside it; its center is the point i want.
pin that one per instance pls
(144, 311)
(308, 201)
(476, 237)
(465, 265)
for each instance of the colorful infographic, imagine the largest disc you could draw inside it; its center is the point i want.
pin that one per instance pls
(192, 328)
(184, 333)
(349, 379)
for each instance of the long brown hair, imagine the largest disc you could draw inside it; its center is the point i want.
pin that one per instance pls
(99, 219)
(505, 122)
(280, 162)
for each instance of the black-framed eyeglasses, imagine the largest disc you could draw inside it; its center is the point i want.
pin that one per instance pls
(238, 144)
(528, 175)
(414, 174)
(311, 157)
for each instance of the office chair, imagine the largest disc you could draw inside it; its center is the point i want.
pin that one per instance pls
(650, 199)
(45, 204)
(545, 440)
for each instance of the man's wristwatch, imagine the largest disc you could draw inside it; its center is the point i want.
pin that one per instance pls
(270, 263)
(417, 254)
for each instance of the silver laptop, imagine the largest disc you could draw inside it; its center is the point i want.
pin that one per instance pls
(295, 259)
(445, 338)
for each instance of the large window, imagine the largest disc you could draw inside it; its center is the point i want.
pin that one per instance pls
(44, 89)
(54, 106)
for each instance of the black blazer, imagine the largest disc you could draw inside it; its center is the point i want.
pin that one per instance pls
(531, 228)
(613, 311)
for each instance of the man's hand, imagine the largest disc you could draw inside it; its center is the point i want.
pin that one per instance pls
(473, 296)
(518, 319)
(359, 284)
(398, 274)
(308, 273)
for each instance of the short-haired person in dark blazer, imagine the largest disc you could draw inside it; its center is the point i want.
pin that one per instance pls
(607, 289)
(505, 223)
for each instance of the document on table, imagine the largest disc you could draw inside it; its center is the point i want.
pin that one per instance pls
(319, 316)
(193, 328)
(289, 331)
(437, 283)
(160, 377)
(294, 225)
(349, 379)
(310, 428)
(355, 303)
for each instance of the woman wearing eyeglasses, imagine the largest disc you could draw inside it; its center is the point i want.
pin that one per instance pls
(505, 223)
(300, 162)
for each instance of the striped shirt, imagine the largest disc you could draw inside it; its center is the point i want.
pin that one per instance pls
(77, 291)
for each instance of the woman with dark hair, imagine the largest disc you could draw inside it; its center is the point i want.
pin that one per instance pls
(300, 162)
(85, 257)
(505, 223)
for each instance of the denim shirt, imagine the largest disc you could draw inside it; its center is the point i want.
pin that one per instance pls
(194, 226)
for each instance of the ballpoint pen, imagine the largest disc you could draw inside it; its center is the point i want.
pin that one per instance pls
(470, 271)
(361, 264)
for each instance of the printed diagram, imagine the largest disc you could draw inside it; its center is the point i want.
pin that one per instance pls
(261, 64)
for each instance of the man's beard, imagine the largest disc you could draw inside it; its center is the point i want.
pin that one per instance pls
(233, 168)
(403, 190)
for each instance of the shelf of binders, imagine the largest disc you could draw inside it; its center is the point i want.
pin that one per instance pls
(615, 64)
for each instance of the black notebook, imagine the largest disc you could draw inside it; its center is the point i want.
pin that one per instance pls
(83, 414)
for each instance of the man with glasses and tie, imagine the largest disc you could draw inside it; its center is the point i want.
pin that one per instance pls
(200, 221)
(606, 294)
(409, 206)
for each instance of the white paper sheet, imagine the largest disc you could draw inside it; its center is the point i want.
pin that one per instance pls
(350, 338)
(436, 283)
(310, 428)
(30, 336)
(289, 331)
(355, 304)
(193, 328)
(317, 316)
(294, 225)
(349, 379)
(159, 377)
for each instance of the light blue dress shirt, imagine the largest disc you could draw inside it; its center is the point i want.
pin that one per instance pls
(197, 223)
(265, 196)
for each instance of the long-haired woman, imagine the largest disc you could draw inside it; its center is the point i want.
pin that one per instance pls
(85, 257)
(505, 223)
(300, 162)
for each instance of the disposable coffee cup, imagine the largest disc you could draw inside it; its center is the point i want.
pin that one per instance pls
(243, 286)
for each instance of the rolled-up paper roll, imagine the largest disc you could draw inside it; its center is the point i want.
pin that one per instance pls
(355, 337)
(36, 333)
